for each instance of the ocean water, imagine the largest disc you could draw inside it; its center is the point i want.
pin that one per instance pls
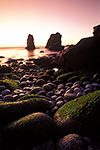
(21, 52)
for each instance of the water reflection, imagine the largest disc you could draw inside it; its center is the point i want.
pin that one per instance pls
(30, 53)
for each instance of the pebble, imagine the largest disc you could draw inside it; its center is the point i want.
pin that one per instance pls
(59, 103)
(8, 98)
(70, 96)
(5, 92)
(47, 87)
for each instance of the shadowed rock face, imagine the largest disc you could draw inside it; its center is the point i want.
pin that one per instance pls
(96, 31)
(84, 55)
(30, 42)
(54, 42)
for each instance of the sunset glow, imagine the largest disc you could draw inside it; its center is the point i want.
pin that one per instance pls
(74, 19)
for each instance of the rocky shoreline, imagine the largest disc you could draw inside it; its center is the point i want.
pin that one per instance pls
(35, 96)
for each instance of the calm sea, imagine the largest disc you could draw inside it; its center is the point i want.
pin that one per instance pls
(21, 52)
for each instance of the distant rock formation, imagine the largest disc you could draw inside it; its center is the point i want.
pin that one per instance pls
(30, 42)
(84, 55)
(54, 42)
(96, 31)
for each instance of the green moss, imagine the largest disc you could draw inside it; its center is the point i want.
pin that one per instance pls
(10, 111)
(82, 108)
(33, 96)
(58, 73)
(73, 79)
(66, 76)
(84, 78)
(10, 84)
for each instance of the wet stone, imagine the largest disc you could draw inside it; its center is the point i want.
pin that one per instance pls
(8, 98)
(2, 87)
(0, 96)
(60, 86)
(5, 92)
(59, 103)
(23, 84)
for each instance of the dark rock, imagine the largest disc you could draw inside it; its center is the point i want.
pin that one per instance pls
(72, 142)
(2, 87)
(84, 55)
(23, 84)
(40, 82)
(47, 145)
(8, 98)
(5, 69)
(30, 42)
(44, 61)
(36, 90)
(34, 127)
(5, 92)
(54, 42)
(96, 31)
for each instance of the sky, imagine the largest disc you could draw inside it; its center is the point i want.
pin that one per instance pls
(73, 19)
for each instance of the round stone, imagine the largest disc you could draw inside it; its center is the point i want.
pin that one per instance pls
(8, 98)
(40, 82)
(72, 142)
(70, 96)
(59, 103)
(77, 90)
(47, 87)
(5, 92)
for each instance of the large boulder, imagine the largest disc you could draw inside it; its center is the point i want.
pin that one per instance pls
(10, 111)
(30, 42)
(84, 55)
(81, 115)
(54, 42)
(33, 128)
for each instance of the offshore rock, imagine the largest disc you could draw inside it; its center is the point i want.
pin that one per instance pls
(30, 42)
(54, 42)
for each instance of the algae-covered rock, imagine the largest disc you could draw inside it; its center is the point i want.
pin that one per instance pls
(11, 84)
(32, 128)
(65, 76)
(73, 79)
(81, 115)
(10, 111)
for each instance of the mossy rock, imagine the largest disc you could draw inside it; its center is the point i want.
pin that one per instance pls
(10, 84)
(84, 78)
(26, 97)
(59, 72)
(65, 76)
(30, 129)
(73, 79)
(81, 115)
(10, 111)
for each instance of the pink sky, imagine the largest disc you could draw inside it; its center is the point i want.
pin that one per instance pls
(74, 19)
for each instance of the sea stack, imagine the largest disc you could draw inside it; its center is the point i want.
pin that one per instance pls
(54, 42)
(30, 42)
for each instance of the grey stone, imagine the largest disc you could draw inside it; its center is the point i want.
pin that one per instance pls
(60, 86)
(77, 90)
(40, 82)
(5, 92)
(36, 90)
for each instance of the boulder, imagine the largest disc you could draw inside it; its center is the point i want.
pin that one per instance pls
(10, 111)
(54, 42)
(81, 115)
(72, 142)
(32, 128)
(30, 42)
(84, 55)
